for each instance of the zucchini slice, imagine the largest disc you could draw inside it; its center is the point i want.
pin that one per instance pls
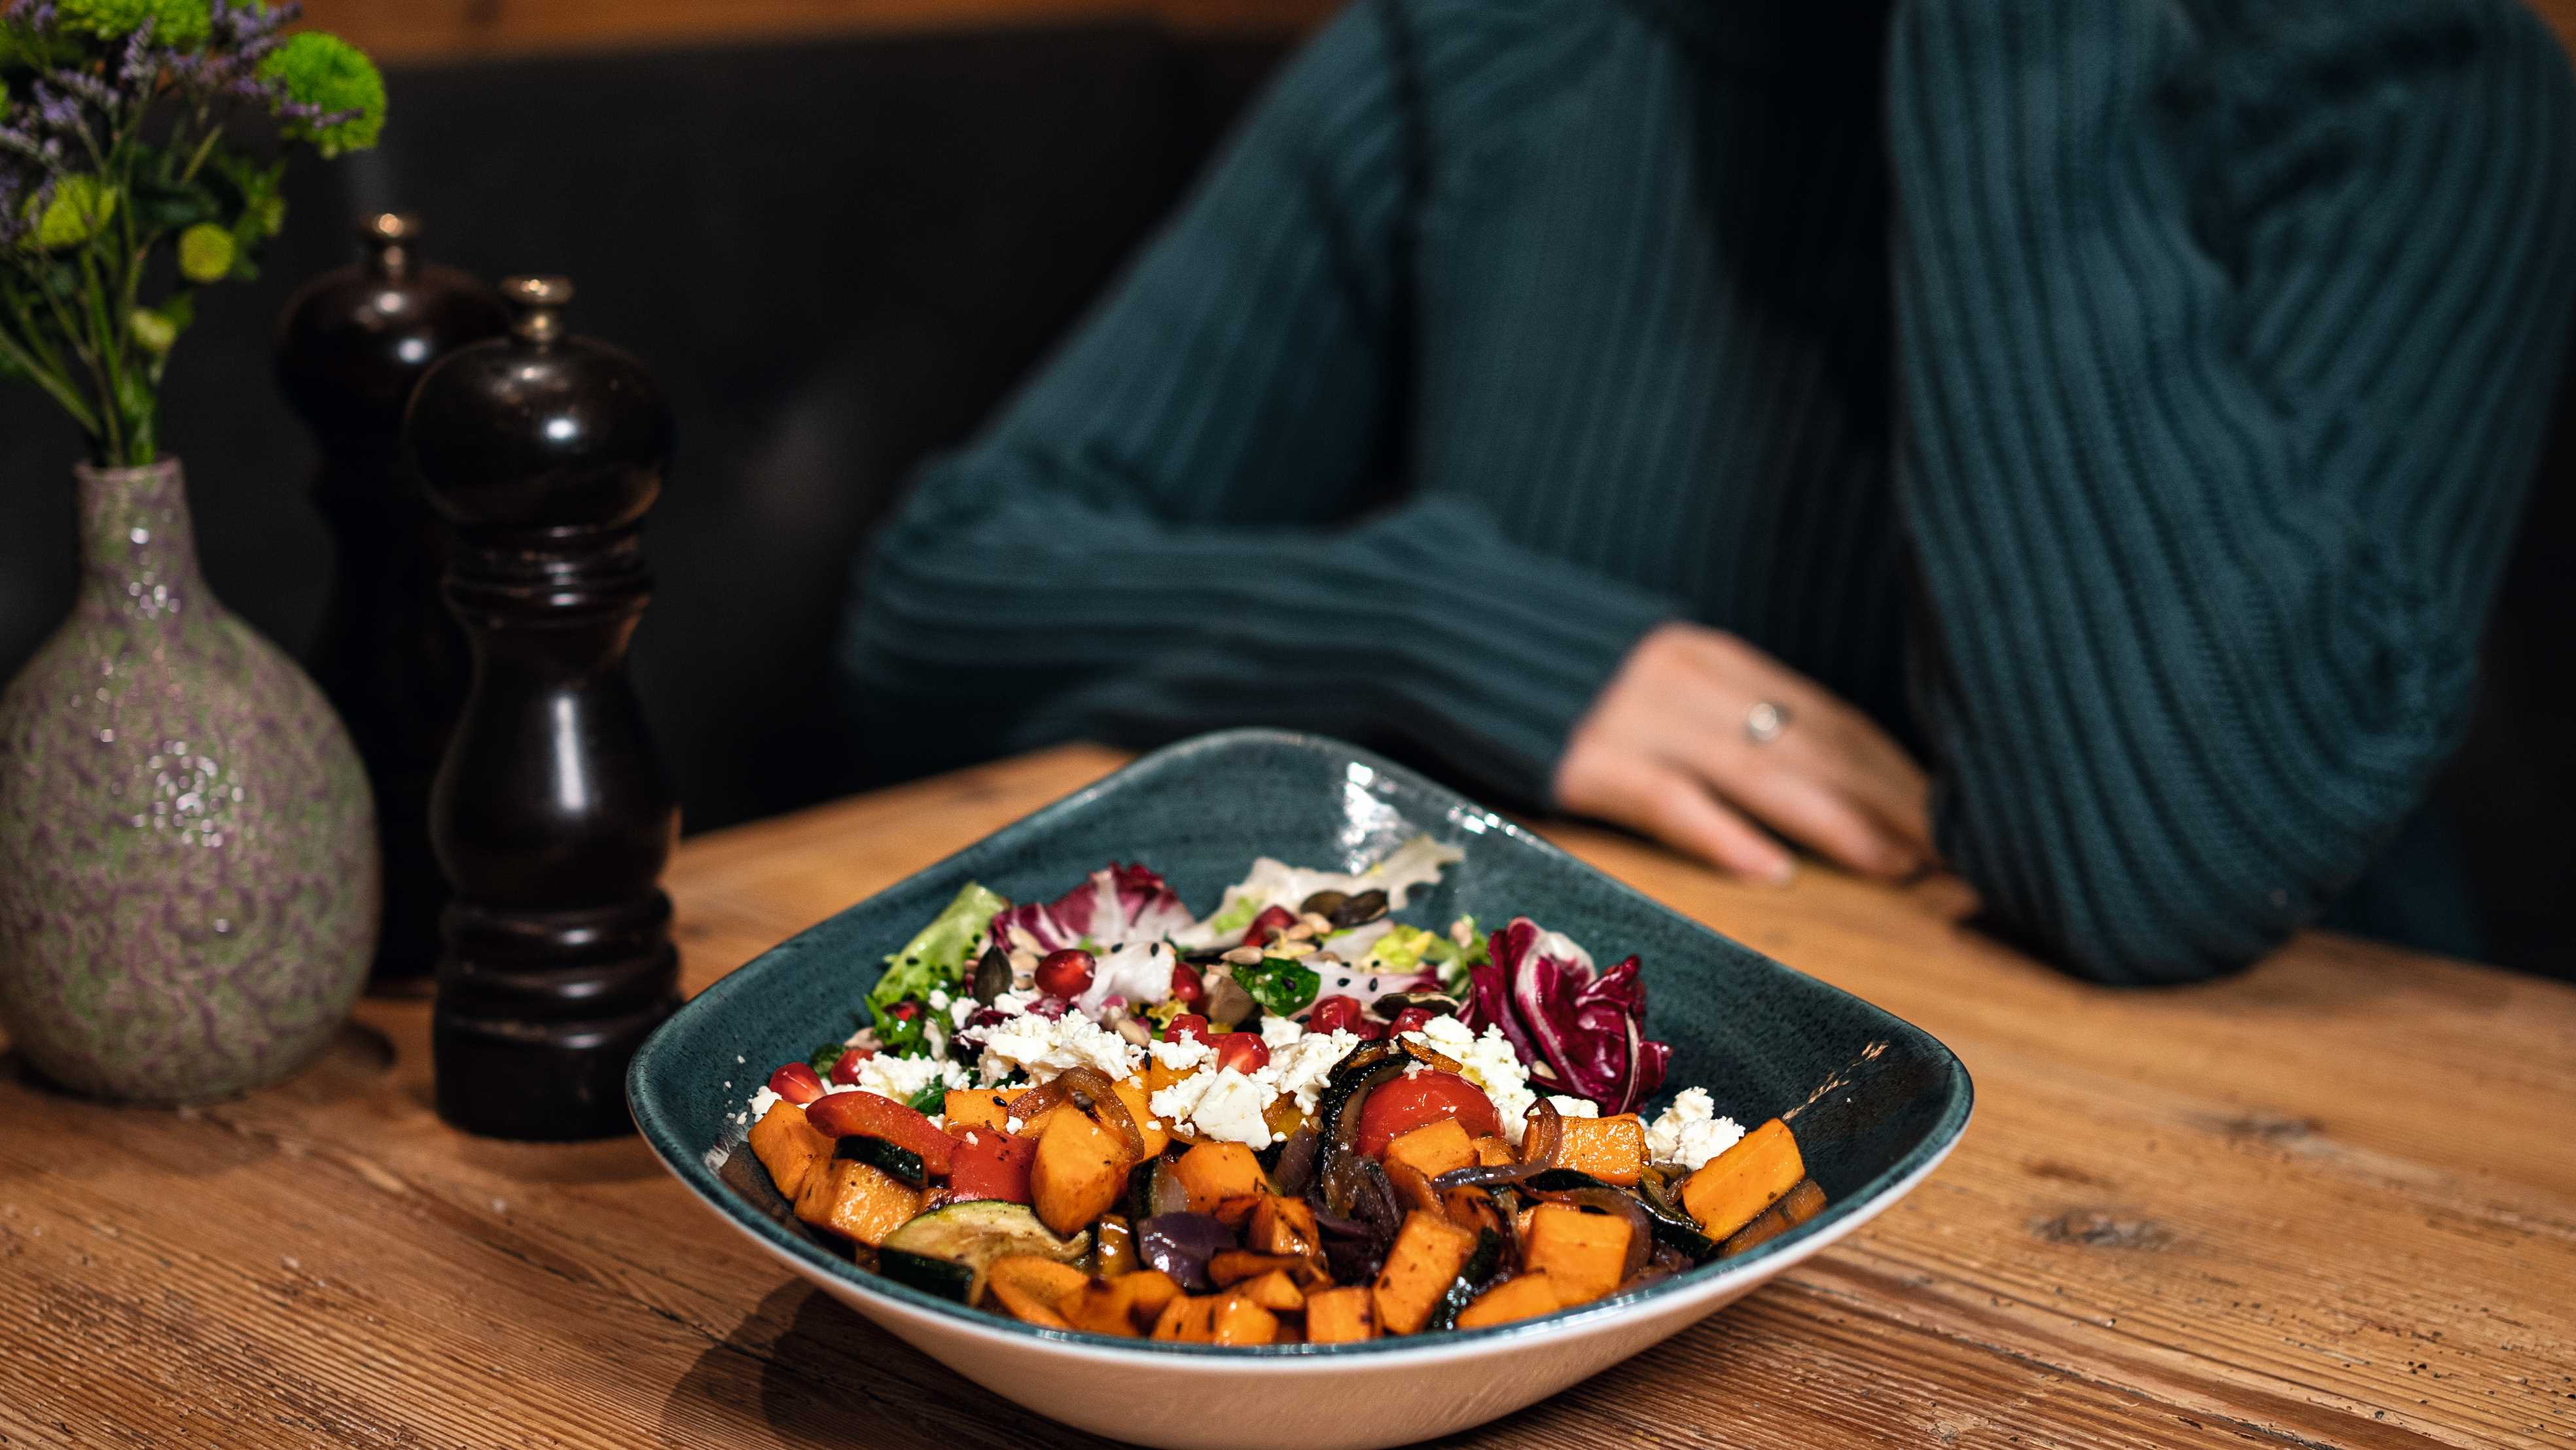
(1673, 1228)
(899, 1163)
(947, 1250)
(1482, 1264)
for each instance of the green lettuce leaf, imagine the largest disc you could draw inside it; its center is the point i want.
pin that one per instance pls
(937, 958)
(1281, 986)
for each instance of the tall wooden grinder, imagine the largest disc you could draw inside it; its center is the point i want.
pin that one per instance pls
(351, 345)
(552, 817)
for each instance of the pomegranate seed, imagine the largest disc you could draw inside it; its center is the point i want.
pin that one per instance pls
(1369, 1029)
(1188, 1027)
(1066, 973)
(797, 1083)
(1188, 987)
(1245, 1052)
(1334, 1014)
(905, 1010)
(1272, 918)
(1410, 1020)
(846, 1071)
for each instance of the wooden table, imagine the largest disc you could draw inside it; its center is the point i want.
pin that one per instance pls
(2329, 1203)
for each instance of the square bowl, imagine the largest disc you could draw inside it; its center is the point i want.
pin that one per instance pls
(1875, 1102)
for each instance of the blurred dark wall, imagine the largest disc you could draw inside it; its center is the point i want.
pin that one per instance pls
(838, 257)
(835, 257)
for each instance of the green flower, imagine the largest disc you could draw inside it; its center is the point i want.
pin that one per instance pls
(323, 71)
(182, 24)
(153, 332)
(79, 208)
(206, 253)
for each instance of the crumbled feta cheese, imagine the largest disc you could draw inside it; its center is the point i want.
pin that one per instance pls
(961, 1009)
(1183, 1055)
(1279, 1032)
(1230, 1109)
(1689, 1133)
(1012, 1125)
(762, 1100)
(901, 1078)
(1303, 1066)
(1575, 1107)
(1043, 1048)
(938, 1000)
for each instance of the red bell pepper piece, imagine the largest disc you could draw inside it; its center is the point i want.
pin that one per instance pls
(866, 1115)
(987, 1163)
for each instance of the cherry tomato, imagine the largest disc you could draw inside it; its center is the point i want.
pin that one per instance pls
(1407, 1103)
(1188, 987)
(846, 1071)
(1066, 973)
(1245, 1052)
(989, 1163)
(1272, 918)
(1333, 1014)
(797, 1083)
(1369, 1028)
(866, 1115)
(1410, 1019)
(1188, 1027)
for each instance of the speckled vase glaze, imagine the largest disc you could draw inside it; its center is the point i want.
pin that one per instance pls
(188, 881)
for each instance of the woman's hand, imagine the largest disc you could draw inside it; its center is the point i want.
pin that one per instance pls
(1664, 750)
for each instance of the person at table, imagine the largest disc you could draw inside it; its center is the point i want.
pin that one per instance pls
(1696, 414)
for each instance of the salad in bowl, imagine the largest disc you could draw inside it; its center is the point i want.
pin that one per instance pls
(1298, 1118)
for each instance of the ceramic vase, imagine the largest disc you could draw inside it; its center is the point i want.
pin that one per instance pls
(188, 868)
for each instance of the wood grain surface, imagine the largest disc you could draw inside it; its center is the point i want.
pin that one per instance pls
(2329, 1203)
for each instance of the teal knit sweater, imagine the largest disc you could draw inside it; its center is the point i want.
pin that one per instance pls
(2130, 402)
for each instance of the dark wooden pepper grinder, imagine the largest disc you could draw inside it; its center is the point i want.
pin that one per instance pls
(551, 815)
(350, 347)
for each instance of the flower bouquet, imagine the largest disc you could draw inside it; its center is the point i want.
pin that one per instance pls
(188, 883)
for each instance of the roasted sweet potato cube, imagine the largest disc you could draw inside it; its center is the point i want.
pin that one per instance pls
(1081, 1169)
(1034, 1289)
(1100, 1306)
(1731, 1189)
(1236, 1211)
(1148, 1291)
(1583, 1254)
(1341, 1316)
(788, 1146)
(856, 1200)
(1427, 1255)
(1526, 1296)
(1190, 1319)
(1214, 1172)
(1432, 1149)
(1239, 1320)
(1795, 1207)
(1228, 1267)
(1610, 1149)
(1274, 1291)
(1282, 1226)
(1131, 1095)
(1493, 1152)
(977, 1108)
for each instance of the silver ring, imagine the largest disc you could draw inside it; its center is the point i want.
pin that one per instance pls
(1765, 721)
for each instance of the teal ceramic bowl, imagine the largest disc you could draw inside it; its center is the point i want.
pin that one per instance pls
(1875, 1102)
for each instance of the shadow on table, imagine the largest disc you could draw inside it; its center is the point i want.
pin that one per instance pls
(801, 1370)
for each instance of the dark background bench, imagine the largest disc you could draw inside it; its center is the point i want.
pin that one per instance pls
(838, 255)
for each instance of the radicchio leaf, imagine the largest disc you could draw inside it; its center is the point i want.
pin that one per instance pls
(1580, 1030)
(1116, 904)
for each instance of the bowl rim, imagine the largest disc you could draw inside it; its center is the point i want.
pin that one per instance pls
(655, 1122)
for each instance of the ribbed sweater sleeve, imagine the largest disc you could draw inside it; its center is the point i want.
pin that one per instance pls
(2223, 356)
(1187, 520)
